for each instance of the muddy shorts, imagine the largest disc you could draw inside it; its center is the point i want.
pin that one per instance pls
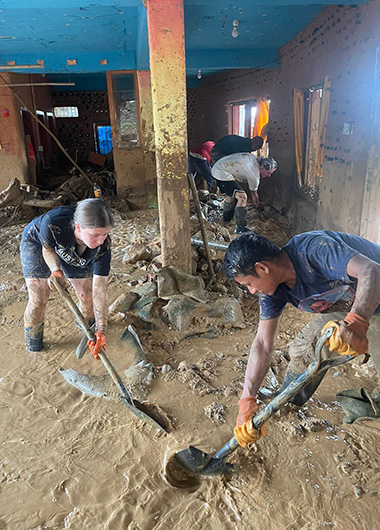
(34, 266)
(229, 187)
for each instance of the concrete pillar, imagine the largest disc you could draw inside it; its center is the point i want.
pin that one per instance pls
(168, 74)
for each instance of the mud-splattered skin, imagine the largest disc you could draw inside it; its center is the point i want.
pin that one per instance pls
(367, 296)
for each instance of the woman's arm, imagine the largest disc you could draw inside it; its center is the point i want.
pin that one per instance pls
(100, 299)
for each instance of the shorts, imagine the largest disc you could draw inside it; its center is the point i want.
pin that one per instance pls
(229, 187)
(34, 266)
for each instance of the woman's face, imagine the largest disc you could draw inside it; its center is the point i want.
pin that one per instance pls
(91, 237)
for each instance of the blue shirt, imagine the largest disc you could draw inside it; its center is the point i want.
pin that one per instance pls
(322, 285)
(55, 229)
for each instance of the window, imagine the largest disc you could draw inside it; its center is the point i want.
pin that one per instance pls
(66, 112)
(243, 117)
(123, 87)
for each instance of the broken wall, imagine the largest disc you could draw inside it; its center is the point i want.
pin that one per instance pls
(340, 43)
(13, 151)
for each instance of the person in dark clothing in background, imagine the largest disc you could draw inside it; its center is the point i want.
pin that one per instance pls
(228, 145)
(199, 163)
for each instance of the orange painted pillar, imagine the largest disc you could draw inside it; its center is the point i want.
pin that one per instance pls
(168, 77)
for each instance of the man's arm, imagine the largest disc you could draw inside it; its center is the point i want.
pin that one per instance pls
(367, 296)
(260, 356)
(100, 299)
(255, 197)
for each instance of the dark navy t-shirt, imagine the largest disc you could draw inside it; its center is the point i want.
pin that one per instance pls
(55, 229)
(228, 145)
(320, 261)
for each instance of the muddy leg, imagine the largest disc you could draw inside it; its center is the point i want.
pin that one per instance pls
(83, 288)
(34, 316)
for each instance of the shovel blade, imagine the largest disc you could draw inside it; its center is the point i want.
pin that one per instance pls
(193, 459)
(199, 462)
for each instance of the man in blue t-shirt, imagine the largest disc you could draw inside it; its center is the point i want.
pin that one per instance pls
(331, 273)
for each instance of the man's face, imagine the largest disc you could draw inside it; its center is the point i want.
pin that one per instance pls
(264, 283)
(265, 173)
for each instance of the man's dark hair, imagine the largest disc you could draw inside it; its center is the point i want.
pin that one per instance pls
(245, 251)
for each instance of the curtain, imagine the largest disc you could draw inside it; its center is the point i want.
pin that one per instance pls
(261, 118)
(322, 126)
(298, 103)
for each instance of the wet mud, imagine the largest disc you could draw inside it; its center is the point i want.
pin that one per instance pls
(70, 460)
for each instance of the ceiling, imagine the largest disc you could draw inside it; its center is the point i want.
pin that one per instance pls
(74, 36)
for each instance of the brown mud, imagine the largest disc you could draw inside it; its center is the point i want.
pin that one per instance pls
(68, 460)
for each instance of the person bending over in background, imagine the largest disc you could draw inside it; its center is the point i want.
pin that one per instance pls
(232, 143)
(72, 243)
(231, 170)
(199, 163)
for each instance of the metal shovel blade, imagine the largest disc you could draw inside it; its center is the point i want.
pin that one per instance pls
(202, 463)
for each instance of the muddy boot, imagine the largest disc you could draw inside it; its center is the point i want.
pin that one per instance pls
(241, 219)
(228, 211)
(34, 338)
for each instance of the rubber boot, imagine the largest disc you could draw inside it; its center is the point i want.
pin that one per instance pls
(241, 219)
(34, 338)
(228, 210)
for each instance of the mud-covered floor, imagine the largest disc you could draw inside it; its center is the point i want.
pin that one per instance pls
(74, 461)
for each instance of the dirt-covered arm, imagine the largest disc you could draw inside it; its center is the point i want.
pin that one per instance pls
(255, 197)
(100, 299)
(367, 296)
(260, 356)
(51, 258)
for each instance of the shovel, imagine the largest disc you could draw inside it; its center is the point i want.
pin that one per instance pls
(137, 408)
(195, 462)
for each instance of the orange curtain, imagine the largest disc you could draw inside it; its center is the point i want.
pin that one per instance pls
(322, 126)
(298, 132)
(261, 118)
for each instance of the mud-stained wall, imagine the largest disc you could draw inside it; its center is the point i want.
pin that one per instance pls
(340, 43)
(134, 167)
(208, 106)
(144, 88)
(13, 151)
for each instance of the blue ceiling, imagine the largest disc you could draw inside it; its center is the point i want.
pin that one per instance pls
(56, 31)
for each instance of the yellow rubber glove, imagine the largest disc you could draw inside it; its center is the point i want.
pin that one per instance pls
(244, 432)
(349, 336)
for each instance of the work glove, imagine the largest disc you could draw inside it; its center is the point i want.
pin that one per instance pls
(349, 336)
(59, 275)
(244, 431)
(96, 346)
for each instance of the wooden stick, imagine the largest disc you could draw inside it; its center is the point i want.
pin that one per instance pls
(91, 336)
(202, 225)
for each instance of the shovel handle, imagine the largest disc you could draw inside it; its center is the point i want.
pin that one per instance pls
(283, 397)
(91, 336)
